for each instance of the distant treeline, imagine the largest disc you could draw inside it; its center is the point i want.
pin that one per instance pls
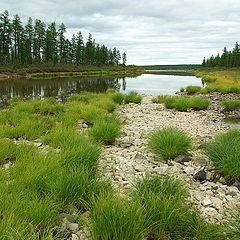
(37, 42)
(171, 67)
(228, 59)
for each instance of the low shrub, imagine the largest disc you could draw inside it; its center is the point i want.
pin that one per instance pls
(193, 89)
(169, 142)
(224, 152)
(182, 89)
(118, 98)
(133, 97)
(231, 105)
(208, 80)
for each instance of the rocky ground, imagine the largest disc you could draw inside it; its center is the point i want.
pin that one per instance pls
(130, 158)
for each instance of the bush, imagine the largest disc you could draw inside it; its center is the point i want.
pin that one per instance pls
(231, 105)
(224, 152)
(118, 98)
(170, 215)
(133, 97)
(169, 142)
(106, 129)
(193, 89)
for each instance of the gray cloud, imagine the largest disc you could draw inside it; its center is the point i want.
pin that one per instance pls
(150, 32)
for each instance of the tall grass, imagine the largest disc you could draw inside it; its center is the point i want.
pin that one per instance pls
(224, 152)
(231, 105)
(169, 142)
(193, 89)
(116, 218)
(8, 150)
(118, 98)
(106, 129)
(170, 215)
(133, 97)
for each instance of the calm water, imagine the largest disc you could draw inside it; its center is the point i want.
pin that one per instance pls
(60, 88)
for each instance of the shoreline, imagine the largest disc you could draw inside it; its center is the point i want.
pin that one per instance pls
(129, 157)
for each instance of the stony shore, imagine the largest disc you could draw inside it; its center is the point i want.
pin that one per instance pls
(130, 158)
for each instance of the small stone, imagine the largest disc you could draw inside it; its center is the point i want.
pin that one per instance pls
(75, 237)
(182, 159)
(222, 180)
(200, 175)
(189, 170)
(206, 202)
(73, 227)
(84, 125)
(86, 214)
(139, 168)
(139, 157)
(231, 193)
(125, 144)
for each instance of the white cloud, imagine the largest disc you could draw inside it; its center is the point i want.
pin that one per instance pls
(150, 32)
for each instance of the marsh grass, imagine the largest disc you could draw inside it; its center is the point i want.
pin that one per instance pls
(224, 152)
(106, 129)
(184, 103)
(169, 142)
(170, 215)
(8, 150)
(231, 105)
(116, 218)
(159, 99)
(193, 89)
(118, 98)
(133, 97)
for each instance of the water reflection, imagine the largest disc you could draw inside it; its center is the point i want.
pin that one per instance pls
(62, 87)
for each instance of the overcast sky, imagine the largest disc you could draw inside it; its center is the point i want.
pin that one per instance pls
(149, 31)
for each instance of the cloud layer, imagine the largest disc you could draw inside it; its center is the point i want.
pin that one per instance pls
(150, 32)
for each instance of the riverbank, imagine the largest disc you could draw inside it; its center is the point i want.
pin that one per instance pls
(63, 70)
(61, 153)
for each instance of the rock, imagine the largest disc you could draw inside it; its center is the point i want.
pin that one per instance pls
(200, 175)
(209, 176)
(125, 144)
(139, 157)
(182, 159)
(139, 168)
(84, 125)
(206, 202)
(222, 180)
(160, 170)
(75, 237)
(73, 227)
(231, 193)
(189, 170)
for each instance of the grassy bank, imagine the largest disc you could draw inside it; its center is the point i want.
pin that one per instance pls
(42, 70)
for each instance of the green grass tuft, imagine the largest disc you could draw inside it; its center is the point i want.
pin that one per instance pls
(133, 97)
(231, 105)
(169, 142)
(193, 89)
(224, 152)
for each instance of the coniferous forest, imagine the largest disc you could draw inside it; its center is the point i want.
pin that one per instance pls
(37, 42)
(228, 59)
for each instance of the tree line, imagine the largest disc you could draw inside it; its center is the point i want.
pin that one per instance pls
(37, 42)
(227, 59)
